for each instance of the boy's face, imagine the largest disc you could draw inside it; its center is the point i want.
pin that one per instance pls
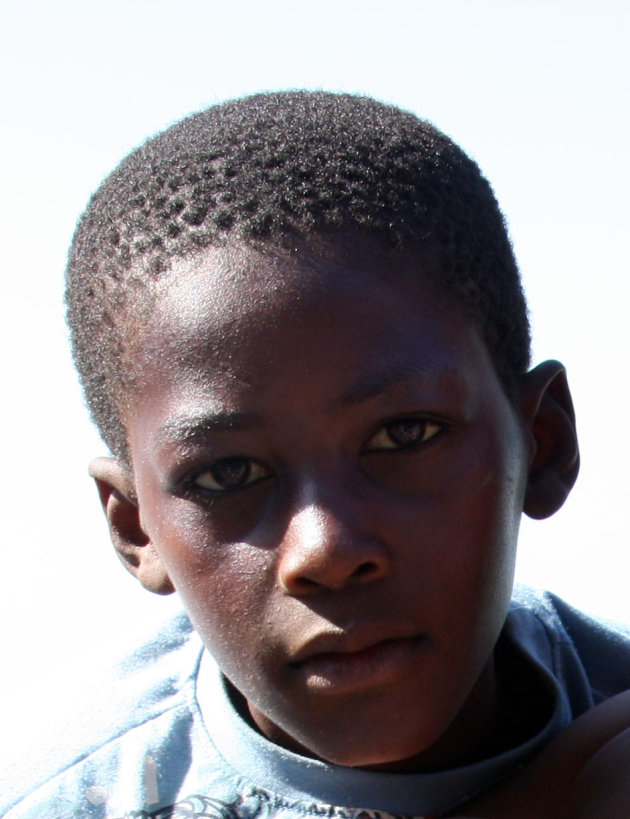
(329, 469)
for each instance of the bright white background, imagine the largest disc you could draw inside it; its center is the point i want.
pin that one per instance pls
(536, 90)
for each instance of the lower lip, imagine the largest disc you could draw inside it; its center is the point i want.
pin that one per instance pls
(378, 665)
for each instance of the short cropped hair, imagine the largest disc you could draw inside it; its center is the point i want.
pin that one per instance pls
(266, 169)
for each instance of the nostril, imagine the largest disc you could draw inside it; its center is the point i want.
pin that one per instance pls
(365, 569)
(303, 585)
(298, 585)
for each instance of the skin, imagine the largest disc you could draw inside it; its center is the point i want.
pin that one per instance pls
(581, 774)
(327, 468)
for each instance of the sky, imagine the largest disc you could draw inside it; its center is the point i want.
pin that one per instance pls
(535, 90)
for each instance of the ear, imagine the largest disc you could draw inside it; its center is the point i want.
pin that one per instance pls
(134, 547)
(547, 408)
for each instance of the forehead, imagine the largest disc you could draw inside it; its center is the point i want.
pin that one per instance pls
(238, 289)
(240, 310)
(323, 321)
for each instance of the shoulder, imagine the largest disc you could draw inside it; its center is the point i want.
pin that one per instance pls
(589, 657)
(562, 623)
(581, 774)
(154, 685)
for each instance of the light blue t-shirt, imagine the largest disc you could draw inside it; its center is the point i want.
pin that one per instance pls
(163, 739)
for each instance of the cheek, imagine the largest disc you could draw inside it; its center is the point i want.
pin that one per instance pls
(222, 584)
(491, 475)
(473, 522)
(226, 592)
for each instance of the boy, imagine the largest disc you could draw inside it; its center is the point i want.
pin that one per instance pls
(300, 328)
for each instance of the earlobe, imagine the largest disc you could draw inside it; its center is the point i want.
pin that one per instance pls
(547, 408)
(135, 549)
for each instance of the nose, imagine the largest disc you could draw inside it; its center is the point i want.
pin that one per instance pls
(328, 549)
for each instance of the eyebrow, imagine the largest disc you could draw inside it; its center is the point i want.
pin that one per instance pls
(393, 377)
(188, 428)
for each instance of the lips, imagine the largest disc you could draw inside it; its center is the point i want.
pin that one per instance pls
(331, 665)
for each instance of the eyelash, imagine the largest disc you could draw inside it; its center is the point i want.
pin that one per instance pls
(249, 470)
(416, 429)
(242, 472)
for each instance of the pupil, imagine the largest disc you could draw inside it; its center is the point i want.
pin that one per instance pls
(406, 432)
(230, 472)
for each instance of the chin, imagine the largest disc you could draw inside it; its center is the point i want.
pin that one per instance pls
(361, 738)
(374, 755)
(378, 761)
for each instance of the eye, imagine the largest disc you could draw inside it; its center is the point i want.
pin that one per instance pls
(229, 474)
(403, 433)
